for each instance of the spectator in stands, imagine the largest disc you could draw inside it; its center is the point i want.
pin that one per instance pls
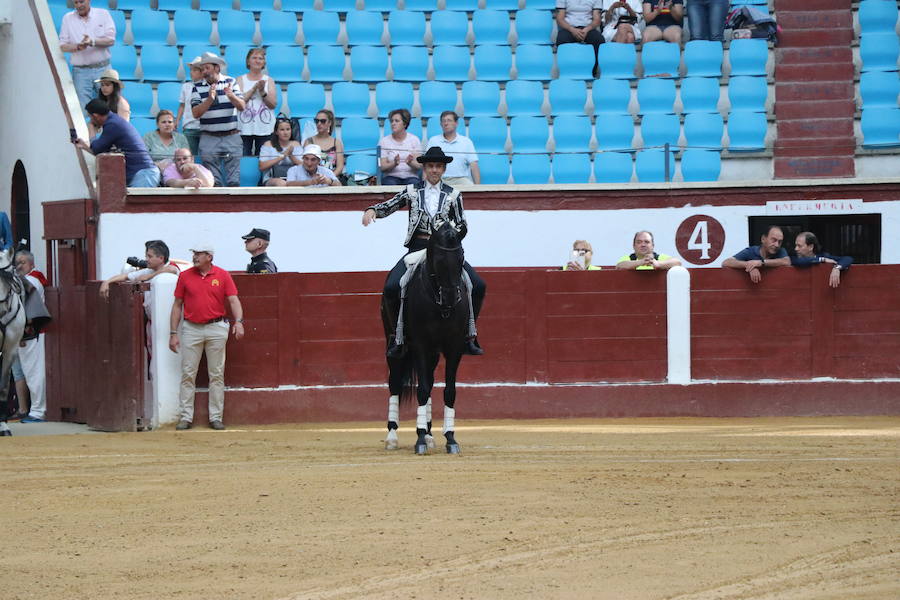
(769, 254)
(139, 168)
(257, 244)
(332, 147)
(87, 33)
(217, 100)
(310, 172)
(809, 252)
(399, 151)
(707, 19)
(6, 234)
(183, 172)
(578, 21)
(163, 142)
(582, 254)
(464, 168)
(111, 92)
(190, 126)
(644, 257)
(622, 21)
(157, 260)
(663, 20)
(260, 98)
(279, 154)
(28, 367)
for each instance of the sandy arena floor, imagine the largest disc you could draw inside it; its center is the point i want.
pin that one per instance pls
(620, 509)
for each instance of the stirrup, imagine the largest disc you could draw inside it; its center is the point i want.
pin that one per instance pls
(396, 351)
(472, 348)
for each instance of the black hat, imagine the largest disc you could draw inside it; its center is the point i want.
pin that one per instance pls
(262, 234)
(434, 154)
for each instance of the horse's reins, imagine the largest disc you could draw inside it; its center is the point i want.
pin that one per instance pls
(439, 289)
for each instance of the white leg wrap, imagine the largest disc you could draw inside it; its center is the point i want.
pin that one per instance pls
(421, 420)
(449, 418)
(428, 410)
(394, 409)
(391, 442)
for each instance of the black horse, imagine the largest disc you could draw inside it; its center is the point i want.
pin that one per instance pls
(436, 317)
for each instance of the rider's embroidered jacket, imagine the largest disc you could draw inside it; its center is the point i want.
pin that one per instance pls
(450, 208)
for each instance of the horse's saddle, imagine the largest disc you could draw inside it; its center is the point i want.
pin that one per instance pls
(414, 259)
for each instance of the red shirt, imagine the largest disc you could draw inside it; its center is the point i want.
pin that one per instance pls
(204, 295)
(40, 277)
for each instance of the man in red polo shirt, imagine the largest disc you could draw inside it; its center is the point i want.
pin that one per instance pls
(202, 291)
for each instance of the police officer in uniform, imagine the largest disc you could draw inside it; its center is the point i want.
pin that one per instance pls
(256, 243)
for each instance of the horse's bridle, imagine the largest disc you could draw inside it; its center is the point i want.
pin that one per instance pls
(440, 297)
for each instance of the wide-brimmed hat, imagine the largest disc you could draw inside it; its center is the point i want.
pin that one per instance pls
(313, 149)
(196, 62)
(203, 247)
(210, 58)
(256, 232)
(110, 75)
(434, 154)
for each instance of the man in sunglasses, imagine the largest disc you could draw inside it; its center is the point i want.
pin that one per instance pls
(582, 255)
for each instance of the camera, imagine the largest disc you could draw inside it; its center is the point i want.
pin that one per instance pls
(73, 135)
(134, 261)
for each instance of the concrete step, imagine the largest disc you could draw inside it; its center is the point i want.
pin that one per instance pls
(803, 167)
(818, 19)
(816, 38)
(784, 6)
(807, 72)
(817, 146)
(804, 109)
(805, 55)
(805, 129)
(812, 91)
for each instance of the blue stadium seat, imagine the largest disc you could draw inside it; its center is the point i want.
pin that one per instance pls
(406, 28)
(701, 94)
(392, 94)
(488, 134)
(491, 27)
(190, 51)
(700, 165)
(297, 6)
(159, 62)
(571, 168)
(530, 168)
(421, 5)
(462, 5)
(494, 168)
(650, 166)
(451, 63)
(614, 132)
(611, 96)
(235, 27)
(757, 3)
(336, 6)
(250, 175)
(481, 98)
(381, 5)
(660, 59)
(748, 93)
(140, 98)
(533, 26)
(58, 12)
(617, 61)
(63, 4)
(567, 97)
(878, 51)
(877, 16)
(369, 63)
(449, 28)
(131, 4)
(576, 61)
(528, 134)
(350, 99)
(168, 96)
(277, 27)
(212, 5)
(326, 63)
(359, 134)
(748, 57)
(502, 4)
(524, 98)
(493, 63)
(305, 99)
(613, 167)
(879, 89)
(285, 63)
(320, 28)
(149, 26)
(361, 163)
(572, 133)
(235, 54)
(534, 62)
(144, 125)
(435, 97)
(656, 95)
(364, 28)
(124, 60)
(658, 129)
(746, 131)
(410, 63)
(118, 18)
(257, 5)
(192, 26)
(703, 130)
(880, 127)
(703, 58)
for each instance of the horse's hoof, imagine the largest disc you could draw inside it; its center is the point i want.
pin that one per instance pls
(421, 449)
(390, 444)
(429, 441)
(452, 448)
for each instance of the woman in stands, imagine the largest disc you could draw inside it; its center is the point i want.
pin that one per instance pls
(399, 151)
(663, 18)
(332, 148)
(279, 154)
(622, 21)
(163, 142)
(111, 92)
(707, 19)
(261, 96)
(578, 21)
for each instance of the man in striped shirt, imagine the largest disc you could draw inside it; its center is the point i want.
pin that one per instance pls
(217, 100)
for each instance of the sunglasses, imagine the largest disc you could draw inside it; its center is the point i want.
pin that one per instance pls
(582, 250)
(320, 120)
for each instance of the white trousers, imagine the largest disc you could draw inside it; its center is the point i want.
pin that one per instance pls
(195, 339)
(31, 357)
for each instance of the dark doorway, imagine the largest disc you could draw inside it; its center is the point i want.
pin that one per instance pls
(858, 236)
(21, 206)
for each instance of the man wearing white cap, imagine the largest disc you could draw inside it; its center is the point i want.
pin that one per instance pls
(203, 292)
(217, 100)
(311, 173)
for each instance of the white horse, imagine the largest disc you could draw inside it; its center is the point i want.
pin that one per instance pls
(12, 320)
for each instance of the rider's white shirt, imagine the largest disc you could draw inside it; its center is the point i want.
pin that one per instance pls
(432, 198)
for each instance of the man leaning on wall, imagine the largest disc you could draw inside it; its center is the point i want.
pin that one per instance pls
(768, 255)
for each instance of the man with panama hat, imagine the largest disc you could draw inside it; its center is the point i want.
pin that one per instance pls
(429, 200)
(217, 100)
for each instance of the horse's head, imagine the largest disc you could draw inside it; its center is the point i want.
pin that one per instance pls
(7, 261)
(445, 262)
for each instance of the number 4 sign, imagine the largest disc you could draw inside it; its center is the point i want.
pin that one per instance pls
(700, 239)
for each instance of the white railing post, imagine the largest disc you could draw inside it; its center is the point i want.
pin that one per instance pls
(678, 321)
(165, 365)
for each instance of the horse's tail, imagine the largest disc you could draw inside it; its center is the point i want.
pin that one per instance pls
(410, 381)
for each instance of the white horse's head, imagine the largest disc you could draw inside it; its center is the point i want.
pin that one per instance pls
(7, 259)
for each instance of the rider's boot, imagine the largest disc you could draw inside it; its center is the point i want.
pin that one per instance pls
(472, 348)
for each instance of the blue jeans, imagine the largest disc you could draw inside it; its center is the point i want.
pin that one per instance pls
(145, 178)
(707, 19)
(85, 87)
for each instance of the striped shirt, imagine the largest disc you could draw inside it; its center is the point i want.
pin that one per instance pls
(222, 115)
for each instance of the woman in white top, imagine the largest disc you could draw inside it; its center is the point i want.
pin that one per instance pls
(622, 21)
(279, 154)
(399, 151)
(255, 122)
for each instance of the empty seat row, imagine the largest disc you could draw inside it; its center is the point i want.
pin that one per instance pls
(327, 5)
(877, 16)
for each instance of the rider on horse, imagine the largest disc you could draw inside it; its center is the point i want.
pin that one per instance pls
(430, 201)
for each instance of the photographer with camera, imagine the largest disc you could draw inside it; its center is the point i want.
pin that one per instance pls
(157, 261)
